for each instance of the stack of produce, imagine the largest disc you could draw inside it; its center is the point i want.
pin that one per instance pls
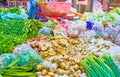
(100, 67)
(15, 32)
(62, 56)
(34, 42)
(111, 16)
(34, 27)
(13, 70)
(31, 28)
(10, 34)
(99, 46)
(21, 63)
(11, 10)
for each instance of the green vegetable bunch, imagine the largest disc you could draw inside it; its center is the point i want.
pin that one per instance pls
(11, 10)
(31, 28)
(13, 70)
(15, 32)
(15, 10)
(109, 61)
(10, 35)
(100, 67)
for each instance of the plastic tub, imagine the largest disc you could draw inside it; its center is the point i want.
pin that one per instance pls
(55, 9)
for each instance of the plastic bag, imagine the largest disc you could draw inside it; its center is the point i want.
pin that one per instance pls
(97, 7)
(6, 59)
(88, 16)
(108, 18)
(27, 55)
(22, 48)
(98, 28)
(72, 31)
(75, 28)
(33, 9)
(117, 39)
(88, 35)
(114, 51)
(114, 15)
(45, 30)
(118, 10)
(13, 16)
(109, 34)
(59, 31)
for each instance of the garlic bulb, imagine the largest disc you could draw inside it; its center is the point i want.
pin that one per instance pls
(53, 66)
(40, 76)
(56, 75)
(83, 75)
(46, 64)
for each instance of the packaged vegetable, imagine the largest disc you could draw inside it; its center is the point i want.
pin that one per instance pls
(87, 35)
(46, 31)
(59, 31)
(73, 29)
(114, 15)
(6, 59)
(117, 39)
(27, 55)
(118, 10)
(110, 33)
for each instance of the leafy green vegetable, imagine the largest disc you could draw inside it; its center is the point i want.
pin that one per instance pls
(11, 10)
(31, 28)
(1, 9)
(10, 35)
(15, 32)
(14, 10)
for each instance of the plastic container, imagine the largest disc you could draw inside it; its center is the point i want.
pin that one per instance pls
(55, 9)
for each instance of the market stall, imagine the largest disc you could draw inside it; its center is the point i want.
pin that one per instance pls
(53, 40)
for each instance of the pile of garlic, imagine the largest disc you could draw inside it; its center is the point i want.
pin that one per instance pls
(56, 67)
(62, 56)
(34, 42)
(73, 47)
(99, 46)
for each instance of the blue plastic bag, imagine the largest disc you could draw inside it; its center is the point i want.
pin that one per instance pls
(27, 55)
(33, 9)
(45, 30)
(6, 59)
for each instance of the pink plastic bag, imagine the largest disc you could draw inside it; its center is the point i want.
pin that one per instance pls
(73, 28)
